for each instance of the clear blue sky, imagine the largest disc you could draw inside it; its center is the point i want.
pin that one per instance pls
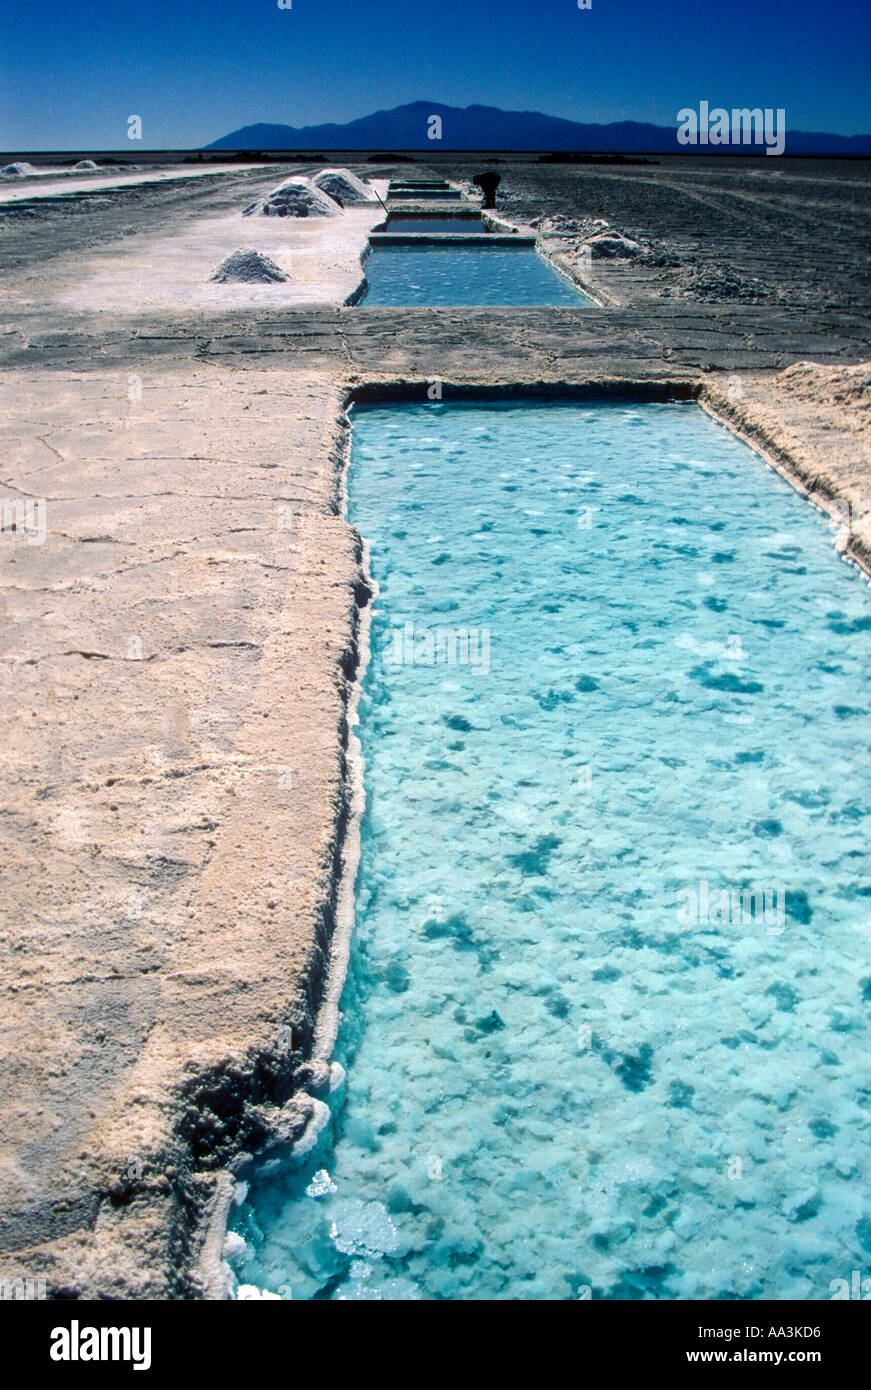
(72, 71)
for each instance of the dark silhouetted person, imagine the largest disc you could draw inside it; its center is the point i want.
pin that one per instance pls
(488, 183)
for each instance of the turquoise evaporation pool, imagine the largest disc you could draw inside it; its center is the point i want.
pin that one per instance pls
(455, 275)
(457, 223)
(576, 1058)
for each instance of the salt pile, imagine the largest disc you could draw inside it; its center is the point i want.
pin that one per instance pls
(297, 197)
(248, 267)
(345, 186)
(18, 171)
(84, 164)
(613, 246)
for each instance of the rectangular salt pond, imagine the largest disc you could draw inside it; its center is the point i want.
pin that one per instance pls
(438, 225)
(441, 275)
(424, 195)
(570, 1064)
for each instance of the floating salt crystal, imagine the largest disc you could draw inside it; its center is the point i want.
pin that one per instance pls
(321, 1184)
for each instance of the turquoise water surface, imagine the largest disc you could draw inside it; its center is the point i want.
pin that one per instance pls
(453, 275)
(576, 1061)
(434, 224)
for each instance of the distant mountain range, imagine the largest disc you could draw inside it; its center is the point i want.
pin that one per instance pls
(488, 128)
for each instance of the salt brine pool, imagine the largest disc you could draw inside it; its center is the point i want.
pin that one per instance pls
(458, 222)
(577, 1062)
(480, 274)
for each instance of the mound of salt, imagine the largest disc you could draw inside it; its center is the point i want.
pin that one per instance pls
(17, 171)
(613, 246)
(297, 197)
(248, 267)
(344, 186)
(84, 164)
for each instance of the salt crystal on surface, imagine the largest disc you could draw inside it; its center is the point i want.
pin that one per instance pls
(234, 1246)
(363, 1228)
(321, 1184)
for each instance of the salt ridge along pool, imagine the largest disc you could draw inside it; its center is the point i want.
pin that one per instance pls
(618, 677)
(463, 275)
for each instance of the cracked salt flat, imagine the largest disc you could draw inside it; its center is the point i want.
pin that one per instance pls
(550, 1077)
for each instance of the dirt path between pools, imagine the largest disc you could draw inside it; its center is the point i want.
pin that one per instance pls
(181, 603)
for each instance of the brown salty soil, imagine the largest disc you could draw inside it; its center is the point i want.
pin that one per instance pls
(175, 664)
(178, 654)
